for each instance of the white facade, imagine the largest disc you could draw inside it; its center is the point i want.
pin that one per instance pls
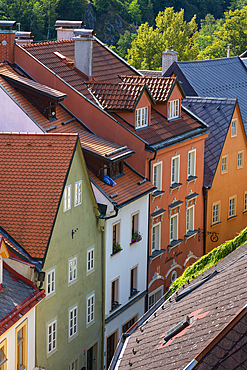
(118, 265)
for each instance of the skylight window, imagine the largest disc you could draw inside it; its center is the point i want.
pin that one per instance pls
(178, 328)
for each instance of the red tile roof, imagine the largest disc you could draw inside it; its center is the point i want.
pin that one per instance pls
(33, 171)
(126, 186)
(116, 96)
(159, 87)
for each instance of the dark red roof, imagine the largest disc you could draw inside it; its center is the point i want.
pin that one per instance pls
(33, 171)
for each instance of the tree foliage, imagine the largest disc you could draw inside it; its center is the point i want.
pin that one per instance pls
(171, 30)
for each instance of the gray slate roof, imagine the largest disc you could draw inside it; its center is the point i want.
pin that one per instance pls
(220, 78)
(217, 301)
(13, 294)
(217, 113)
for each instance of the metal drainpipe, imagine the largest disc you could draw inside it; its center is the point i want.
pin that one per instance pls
(205, 194)
(149, 177)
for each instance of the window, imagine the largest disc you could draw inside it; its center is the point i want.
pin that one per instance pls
(50, 282)
(90, 260)
(224, 164)
(72, 269)
(114, 294)
(134, 228)
(128, 324)
(112, 341)
(21, 346)
(52, 336)
(191, 163)
(156, 237)
(3, 355)
(174, 276)
(175, 170)
(245, 201)
(157, 175)
(78, 193)
(173, 109)
(73, 315)
(142, 117)
(74, 365)
(67, 198)
(90, 309)
(116, 238)
(216, 213)
(174, 227)
(154, 297)
(234, 128)
(190, 219)
(240, 159)
(232, 206)
(133, 281)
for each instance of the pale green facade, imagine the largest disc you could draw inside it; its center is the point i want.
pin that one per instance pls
(84, 348)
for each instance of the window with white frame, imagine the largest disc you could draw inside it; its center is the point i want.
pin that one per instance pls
(67, 198)
(74, 365)
(192, 163)
(135, 228)
(173, 109)
(224, 164)
(142, 117)
(245, 201)
(90, 260)
(114, 294)
(50, 286)
(90, 308)
(52, 336)
(190, 219)
(240, 159)
(78, 193)
(73, 316)
(72, 269)
(133, 281)
(175, 164)
(157, 175)
(234, 128)
(174, 227)
(116, 238)
(155, 238)
(232, 204)
(154, 297)
(216, 212)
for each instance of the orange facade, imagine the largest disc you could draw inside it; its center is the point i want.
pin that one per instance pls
(226, 212)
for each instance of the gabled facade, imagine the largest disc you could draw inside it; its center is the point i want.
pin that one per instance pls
(49, 173)
(225, 190)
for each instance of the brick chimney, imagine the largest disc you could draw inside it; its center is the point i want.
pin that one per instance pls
(84, 51)
(7, 41)
(168, 57)
(65, 30)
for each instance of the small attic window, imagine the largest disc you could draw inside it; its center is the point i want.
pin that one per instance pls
(173, 109)
(178, 328)
(142, 117)
(116, 169)
(50, 112)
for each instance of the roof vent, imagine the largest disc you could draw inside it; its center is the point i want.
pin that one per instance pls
(23, 37)
(178, 328)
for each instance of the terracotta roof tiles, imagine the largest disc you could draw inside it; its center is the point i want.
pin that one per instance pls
(33, 171)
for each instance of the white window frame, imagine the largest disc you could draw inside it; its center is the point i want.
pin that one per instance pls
(74, 364)
(176, 171)
(224, 164)
(160, 289)
(155, 244)
(232, 206)
(90, 260)
(141, 117)
(135, 280)
(234, 128)
(116, 282)
(90, 309)
(157, 175)
(190, 218)
(245, 201)
(216, 213)
(73, 322)
(118, 231)
(240, 159)
(67, 198)
(72, 263)
(173, 233)
(53, 325)
(78, 193)
(173, 109)
(192, 163)
(51, 283)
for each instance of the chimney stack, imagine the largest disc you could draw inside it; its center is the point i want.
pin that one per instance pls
(65, 30)
(23, 38)
(168, 57)
(7, 41)
(84, 51)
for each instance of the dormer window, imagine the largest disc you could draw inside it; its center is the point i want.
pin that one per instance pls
(173, 109)
(142, 117)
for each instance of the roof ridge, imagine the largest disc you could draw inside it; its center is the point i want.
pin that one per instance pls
(39, 133)
(149, 77)
(54, 42)
(209, 98)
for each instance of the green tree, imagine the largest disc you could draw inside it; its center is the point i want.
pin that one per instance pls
(205, 35)
(171, 30)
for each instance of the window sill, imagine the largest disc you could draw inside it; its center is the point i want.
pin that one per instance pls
(114, 253)
(191, 179)
(232, 217)
(132, 243)
(173, 118)
(156, 253)
(216, 223)
(157, 193)
(134, 294)
(175, 185)
(190, 234)
(116, 305)
(174, 244)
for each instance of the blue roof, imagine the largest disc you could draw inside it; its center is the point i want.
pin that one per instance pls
(217, 113)
(220, 78)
